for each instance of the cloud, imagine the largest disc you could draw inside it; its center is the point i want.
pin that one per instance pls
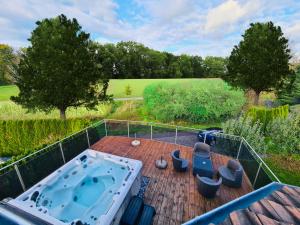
(181, 26)
(229, 13)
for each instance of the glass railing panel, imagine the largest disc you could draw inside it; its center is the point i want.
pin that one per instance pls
(226, 145)
(249, 162)
(139, 130)
(10, 185)
(163, 133)
(117, 128)
(74, 145)
(96, 132)
(263, 178)
(40, 165)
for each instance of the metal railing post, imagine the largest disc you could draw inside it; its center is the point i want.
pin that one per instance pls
(87, 137)
(20, 177)
(105, 127)
(62, 152)
(176, 130)
(151, 131)
(240, 147)
(204, 138)
(255, 179)
(127, 128)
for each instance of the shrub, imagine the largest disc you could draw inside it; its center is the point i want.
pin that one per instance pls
(251, 131)
(284, 135)
(19, 136)
(266, 115)
(192, 102)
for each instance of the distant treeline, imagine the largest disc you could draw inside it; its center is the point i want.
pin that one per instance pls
(130, 60)
(134, 60)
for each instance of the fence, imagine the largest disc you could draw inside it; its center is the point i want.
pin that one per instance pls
(24, 173)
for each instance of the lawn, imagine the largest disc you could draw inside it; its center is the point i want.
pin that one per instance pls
(7, 91)
(116, 87)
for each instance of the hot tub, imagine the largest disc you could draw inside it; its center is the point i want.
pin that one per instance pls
(93, 188)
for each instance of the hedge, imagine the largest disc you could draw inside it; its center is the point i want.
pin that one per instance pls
(193, 102)
(19, 136)
(266, 115)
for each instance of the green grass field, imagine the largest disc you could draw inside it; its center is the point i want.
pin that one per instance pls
(116, 87)
(9, 110)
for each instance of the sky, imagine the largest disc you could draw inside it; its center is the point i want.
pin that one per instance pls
(194, 27)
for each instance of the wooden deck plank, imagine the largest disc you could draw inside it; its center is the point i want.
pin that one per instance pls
(174, 195)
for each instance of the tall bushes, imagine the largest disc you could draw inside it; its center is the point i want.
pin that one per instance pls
(17, 136)
(284, 135)
(192, 102)
(251, 131)
(266, 115)
(280, 136)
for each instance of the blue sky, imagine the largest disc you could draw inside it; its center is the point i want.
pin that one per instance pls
(180, 26)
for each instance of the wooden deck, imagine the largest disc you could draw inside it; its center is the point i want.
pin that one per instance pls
(174, 195)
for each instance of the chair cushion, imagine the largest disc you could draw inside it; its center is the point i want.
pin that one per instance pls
(185, 163)
(226, 173)
(147, 215)
(132, 211)
(233, 165)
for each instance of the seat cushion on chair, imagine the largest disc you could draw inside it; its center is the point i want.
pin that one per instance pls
(132, 211)
(147, 215)
(226, 173)
(185, 163)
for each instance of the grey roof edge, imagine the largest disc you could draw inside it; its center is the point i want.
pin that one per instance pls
(220, 213)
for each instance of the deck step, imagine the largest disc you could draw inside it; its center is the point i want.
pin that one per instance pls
(133, 211)
(147, 215)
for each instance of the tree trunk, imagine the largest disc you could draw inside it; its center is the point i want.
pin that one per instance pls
(256, 98)
(62, 114)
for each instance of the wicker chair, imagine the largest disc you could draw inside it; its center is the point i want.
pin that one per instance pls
(207, 186)
(232, 174)
(179, 164)
(201, 150)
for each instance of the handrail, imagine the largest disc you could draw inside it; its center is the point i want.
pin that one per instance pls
(50, 145)
(261, 160)
(146, 124)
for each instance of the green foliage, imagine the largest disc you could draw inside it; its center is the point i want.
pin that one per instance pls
(261, 60)
(7, 64)
(284, 135)
(60, 71)
(290, 93)
(19, 136)
(117, 61)
(266, 115)
(280, 136)
(251, 131)
(215, 66)
(128, 90)
(192, 101)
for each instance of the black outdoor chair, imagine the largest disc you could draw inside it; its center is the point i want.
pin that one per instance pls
(232, 174)
(179, 164)
(208, 187)
(202, 150)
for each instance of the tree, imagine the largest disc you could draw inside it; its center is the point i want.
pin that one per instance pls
(261, 60)
(128, 90)
(8, 64)
(59, 69)
(215, 66)
(290, 93)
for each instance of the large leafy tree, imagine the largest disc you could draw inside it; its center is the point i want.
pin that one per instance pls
(59, 69)
(261, 60)
(8, 63)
